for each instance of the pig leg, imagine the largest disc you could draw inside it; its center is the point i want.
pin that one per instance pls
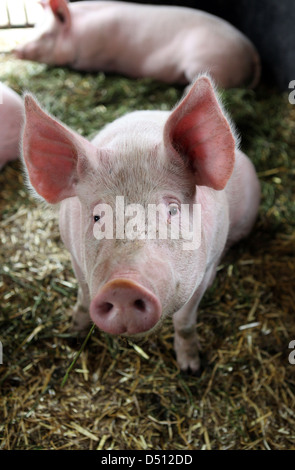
(186, 342)
(80, 313)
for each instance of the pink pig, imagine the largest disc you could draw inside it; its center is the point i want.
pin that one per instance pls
(11, 119)
(172, 160)
(171, 44)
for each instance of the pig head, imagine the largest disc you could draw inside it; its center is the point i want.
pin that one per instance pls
(51, 41)
(171, 44)
(172, 161)
(11, 119)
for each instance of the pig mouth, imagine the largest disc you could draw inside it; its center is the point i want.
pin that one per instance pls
(126, 308)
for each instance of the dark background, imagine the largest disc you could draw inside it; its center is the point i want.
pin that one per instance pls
(270, 24)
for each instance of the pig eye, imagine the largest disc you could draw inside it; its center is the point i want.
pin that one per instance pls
(173, 210)
(96, 218)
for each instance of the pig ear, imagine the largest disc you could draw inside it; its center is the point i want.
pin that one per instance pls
(61, 11)
(54, 156)
(198, 130)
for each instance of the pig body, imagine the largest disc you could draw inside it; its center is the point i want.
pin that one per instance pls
(171, 44)
(185, 157)
(11, 118)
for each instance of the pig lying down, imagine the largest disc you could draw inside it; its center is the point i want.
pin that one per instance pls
(11, 119)
(171, 44)
(173, 160)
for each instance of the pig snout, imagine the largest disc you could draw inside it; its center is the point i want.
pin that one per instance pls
(124, 307)
(29, 51)
(17, 52)
(23, 52)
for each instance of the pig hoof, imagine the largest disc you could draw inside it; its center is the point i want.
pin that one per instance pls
(187, 348)
(188, 355)
(189, 364)
(80, 319)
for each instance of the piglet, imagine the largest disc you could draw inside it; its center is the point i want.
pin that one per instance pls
(172, 44)
(11, 120)
(182, 167)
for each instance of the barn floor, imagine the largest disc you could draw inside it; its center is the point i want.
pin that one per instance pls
(120, 395)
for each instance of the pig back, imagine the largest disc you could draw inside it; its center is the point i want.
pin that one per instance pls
(243, 195)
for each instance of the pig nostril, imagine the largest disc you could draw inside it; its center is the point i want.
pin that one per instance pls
(105, 307)
(125, 308)
(140, 305)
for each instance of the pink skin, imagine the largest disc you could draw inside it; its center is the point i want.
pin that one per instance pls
(186, 156)
(171, 44)
(125, 307)
(11, 118)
